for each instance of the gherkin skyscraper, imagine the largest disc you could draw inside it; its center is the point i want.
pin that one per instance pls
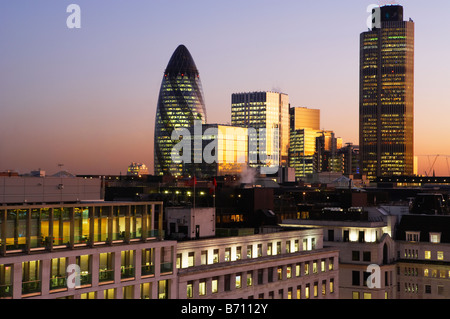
(180, 103)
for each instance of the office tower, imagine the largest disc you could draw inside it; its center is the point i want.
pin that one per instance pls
(327, 146)
(217, 150)
(302, 117)
(268, 111)
(301, 151)
(386, 123)
(304, 128)
(180, 103)
(348, 159)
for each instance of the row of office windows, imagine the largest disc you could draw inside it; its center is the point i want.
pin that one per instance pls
(230, 254)
(427, 254)
(34, 228)
(128, 292)
(32, 271)
(261, 276)
(427, 289)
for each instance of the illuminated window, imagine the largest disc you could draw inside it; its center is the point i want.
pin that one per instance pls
(202, 288)
(214, 285)
(307, 291)
(238, 281)
(249, 279)
(440, 255)
(189, 289)
(191, 258)
(435, 238)
(427, 254)
(227, 254)
(306, 268)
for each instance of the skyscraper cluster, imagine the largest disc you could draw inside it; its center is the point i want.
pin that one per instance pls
(279, 135)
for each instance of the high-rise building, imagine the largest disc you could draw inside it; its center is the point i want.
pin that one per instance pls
(327, 146)
(217, 150)
(304, 128)
(180, 103)
(268, 111)
(386, 123)
(302, 117)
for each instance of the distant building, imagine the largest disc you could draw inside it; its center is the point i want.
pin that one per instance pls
(386, 116)
(217, 150)
(302, 117)
(137, 169)
(180, 103)
(304, 125)
(268, 111)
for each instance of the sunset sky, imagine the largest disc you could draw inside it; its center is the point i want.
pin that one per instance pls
(87, 97)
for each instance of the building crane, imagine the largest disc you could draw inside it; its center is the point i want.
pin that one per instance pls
(435, 163)
(432, 166)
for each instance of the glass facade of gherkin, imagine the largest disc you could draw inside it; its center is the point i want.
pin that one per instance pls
(180, 103)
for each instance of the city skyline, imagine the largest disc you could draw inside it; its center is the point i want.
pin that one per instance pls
(87, 98)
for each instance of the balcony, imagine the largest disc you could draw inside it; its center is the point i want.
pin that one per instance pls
(31, 287)
(106, 275)
(58, 282)
(127, 272)
(166, 268)
(6, 291)
(148, 270)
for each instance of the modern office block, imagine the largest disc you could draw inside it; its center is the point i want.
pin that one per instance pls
(268, 111)
(386, 108)
(89, 250)
(302, 117)
(216, 150)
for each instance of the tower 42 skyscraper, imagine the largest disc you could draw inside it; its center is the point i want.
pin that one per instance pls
(386, 109)
(180, 103)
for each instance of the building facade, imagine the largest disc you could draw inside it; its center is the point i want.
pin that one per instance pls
(278, 265)
(180, 103)
(423, 251)
(362, 241)
(386, 108)
(268, 111)
(115, 250)
(216, 150)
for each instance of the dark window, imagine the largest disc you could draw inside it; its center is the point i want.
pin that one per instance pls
(227, 283)
(330, 234)
(355, 255)
(427, 289)
(367, 256)
(355, 278)
(346, 235)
